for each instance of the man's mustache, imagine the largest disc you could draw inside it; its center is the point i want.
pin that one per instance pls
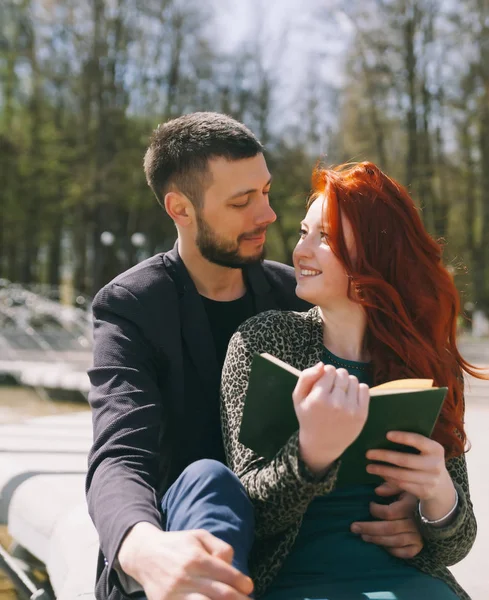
(252, 234)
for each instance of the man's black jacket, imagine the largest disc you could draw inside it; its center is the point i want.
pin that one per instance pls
(155, 391)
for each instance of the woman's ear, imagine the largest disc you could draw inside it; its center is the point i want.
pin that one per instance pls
(355, 290)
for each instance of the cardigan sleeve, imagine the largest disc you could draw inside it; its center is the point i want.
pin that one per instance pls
(449, 545)
(281, 489)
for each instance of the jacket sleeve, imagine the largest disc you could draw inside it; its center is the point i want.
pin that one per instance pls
(280, 489)
(123, 463)
(449, 545)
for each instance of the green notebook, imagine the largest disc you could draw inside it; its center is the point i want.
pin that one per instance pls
(269, 418)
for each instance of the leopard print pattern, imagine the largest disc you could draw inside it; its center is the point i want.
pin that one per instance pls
(282, 489)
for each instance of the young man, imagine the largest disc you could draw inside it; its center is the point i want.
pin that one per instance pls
(169, 519)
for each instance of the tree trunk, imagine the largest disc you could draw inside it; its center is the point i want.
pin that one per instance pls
(13, 262)
(54, 250)
(80, 242)
(33, 197)
(377, 128)
(426, 169)
(411, 120)
(481, 287)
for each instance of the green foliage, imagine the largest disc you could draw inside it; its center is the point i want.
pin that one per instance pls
(83, 84)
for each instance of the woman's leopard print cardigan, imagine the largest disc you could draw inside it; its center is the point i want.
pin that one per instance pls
(282, 489)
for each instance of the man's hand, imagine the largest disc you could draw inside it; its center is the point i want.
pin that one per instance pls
(396, 530)
(182, 565)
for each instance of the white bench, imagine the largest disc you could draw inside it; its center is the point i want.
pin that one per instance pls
(43, 462)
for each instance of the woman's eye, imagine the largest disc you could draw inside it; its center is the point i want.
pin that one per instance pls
(302, 232)
(324, 236)
(242, 205)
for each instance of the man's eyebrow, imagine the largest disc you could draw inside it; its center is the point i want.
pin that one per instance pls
(246, 192)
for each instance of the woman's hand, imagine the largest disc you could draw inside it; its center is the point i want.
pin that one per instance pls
(331, 407)
(424, 475)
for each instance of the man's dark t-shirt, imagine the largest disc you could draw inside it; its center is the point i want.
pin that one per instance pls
(202, 428)
(225, 318)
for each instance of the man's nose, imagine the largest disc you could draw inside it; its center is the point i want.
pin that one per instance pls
(266, 216)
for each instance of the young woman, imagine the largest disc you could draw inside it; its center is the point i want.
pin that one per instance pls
(386, 309)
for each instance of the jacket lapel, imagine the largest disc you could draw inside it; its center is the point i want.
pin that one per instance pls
(194, 324)
(260, 288)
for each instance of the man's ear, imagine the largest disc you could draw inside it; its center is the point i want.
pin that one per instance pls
(179, 208)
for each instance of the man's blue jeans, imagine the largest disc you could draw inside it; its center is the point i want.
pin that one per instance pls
(209, 496)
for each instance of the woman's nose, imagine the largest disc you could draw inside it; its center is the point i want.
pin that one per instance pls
(302, 250)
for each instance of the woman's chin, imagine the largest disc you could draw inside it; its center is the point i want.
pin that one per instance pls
(305, 294)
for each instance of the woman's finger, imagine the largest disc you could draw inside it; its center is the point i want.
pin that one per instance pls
(417, 462)
(328, 379)
(363, 399)
(341, 383)
(352, 394)
(306, 381)
(422, 443)
(398, 475)
(386, 490)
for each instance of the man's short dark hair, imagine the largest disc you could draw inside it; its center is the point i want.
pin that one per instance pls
(180, 150)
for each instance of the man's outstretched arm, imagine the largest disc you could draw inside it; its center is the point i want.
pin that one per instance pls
(129, 416)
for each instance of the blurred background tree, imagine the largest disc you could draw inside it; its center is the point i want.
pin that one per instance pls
(82, 85)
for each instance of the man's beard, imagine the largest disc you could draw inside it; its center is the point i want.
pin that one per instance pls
(224, 252)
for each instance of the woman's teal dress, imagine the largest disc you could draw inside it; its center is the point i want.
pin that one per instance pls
(328, 562)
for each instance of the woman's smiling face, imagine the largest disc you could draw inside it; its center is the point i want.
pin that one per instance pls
(321, 277)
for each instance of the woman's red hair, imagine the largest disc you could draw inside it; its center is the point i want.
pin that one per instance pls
(397, 275)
